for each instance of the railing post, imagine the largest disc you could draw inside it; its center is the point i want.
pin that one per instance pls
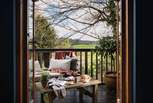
(106, 63)
(111, 63)
(46, 59)
(40, 59)
(115, 63)
(91, 63)
(80, 62)
(102, 68)
(86, 62)
(96, 65)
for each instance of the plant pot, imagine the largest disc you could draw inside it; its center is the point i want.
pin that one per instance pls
(110, 80)
(44, 83)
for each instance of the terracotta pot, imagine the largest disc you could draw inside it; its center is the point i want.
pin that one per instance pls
(110, 80)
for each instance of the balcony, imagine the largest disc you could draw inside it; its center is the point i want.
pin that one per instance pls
(91, 62)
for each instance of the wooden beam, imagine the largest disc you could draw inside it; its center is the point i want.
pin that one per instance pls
(126, 54)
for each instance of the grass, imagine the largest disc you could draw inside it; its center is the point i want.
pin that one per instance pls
(82, 46)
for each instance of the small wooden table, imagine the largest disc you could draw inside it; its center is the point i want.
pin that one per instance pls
(79, 85)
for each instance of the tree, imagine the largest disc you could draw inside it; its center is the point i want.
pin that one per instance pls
(64, 44)
(111, 7)
(107, 47)
(45, 35)
(87, 13)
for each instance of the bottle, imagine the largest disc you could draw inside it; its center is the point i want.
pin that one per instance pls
(75, 80)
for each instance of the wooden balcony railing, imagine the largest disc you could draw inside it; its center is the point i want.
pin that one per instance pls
(91, 61)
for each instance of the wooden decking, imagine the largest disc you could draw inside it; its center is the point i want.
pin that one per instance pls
(104, 96)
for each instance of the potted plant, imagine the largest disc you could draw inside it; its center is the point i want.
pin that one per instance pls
(107, 46)
(110, 80)
(44, 78)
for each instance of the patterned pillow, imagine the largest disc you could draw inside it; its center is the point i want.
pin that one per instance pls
(59, 63)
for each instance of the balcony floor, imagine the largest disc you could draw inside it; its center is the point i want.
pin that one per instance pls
(104, 96)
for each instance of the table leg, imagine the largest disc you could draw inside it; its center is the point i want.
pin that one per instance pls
(80, 95)
(42, 99)
(51, 97)
(95, 89)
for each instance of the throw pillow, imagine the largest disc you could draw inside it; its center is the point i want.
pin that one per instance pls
(59, 63)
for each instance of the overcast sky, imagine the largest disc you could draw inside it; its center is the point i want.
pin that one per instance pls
(100, 28)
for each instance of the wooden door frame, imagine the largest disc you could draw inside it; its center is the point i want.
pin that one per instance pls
(20, 20)
(127, 53)
(127, 74)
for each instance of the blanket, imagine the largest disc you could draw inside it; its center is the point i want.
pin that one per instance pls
(58, 87)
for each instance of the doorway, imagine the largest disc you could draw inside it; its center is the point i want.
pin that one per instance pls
(118, 80)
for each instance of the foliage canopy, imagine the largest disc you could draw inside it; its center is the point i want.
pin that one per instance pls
(107, 45)
(45, 35)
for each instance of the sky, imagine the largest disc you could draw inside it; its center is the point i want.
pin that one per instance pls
(99, 28)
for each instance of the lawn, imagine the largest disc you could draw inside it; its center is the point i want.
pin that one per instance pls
(82, 46)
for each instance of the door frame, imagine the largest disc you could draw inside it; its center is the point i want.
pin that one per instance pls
(127, 53)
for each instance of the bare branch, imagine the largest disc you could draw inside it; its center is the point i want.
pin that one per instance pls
(78, 31)
(92, 13)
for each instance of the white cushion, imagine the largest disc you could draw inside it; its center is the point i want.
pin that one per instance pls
(59, 63)
(37, 66)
